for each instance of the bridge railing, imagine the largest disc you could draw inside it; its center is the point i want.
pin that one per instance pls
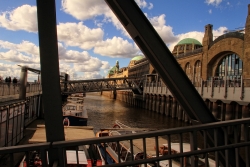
(234, 151)
(232, 90)
(13, 88)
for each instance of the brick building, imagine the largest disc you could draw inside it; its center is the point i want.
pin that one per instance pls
(226, 56)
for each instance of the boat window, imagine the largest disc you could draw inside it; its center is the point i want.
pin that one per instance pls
(71, 108)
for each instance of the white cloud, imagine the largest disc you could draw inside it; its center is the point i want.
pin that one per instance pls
(213, 2)
(144, 4)
(164, 31)
(17, 57)
(26, 53)
(91, 65)
(83, 10)
(90, 75)
(91, 9)
(24, 46)
(77, 34)
(210, 11)
(7, 70)
(116, 47)
(150, 6)
(71, 56)
(219, 31)
(14, 20)
(105, 65)
(88, 9)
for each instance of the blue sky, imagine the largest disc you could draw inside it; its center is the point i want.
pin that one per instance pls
(91, 39)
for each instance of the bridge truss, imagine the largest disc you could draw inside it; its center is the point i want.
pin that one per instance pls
(105, 84)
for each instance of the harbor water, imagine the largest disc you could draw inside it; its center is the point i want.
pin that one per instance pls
(103, 112)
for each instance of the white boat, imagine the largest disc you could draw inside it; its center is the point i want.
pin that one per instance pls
(74, 112)
(125, 154)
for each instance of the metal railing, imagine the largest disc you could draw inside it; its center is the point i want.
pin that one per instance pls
(13, 88)
(233, 152)
(237, 90)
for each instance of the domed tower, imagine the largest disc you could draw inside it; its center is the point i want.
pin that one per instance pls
(117, 64)
(134, 59)
(186, 45)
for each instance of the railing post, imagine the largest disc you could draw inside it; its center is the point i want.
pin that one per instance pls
(225, 87)
(242, 88)
(66, 78)
(202, 85)
(193, 145)
(23, 83)
(212, 86)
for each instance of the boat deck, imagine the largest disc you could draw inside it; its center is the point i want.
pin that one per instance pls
(150, 145)
(83, 132)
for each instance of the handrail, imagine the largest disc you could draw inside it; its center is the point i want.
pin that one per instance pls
(192, 130)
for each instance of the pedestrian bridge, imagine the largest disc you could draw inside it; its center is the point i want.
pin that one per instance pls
(75, 86)
(105, 84)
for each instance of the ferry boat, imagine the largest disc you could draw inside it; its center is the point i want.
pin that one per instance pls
(74, 112)
(125, 154)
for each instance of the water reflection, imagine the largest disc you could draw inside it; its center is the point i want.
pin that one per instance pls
(103, 112)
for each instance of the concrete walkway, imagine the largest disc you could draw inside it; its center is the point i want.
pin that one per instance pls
(28, 133)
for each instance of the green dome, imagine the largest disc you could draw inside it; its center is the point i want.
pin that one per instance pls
(112, 70)
(137, 58)
(189, 41)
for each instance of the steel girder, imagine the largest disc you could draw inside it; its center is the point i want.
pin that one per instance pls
(52, 103)
(98, 85)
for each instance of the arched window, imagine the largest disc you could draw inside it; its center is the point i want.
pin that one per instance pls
(188, 70)
(230, 66)
(197, 73)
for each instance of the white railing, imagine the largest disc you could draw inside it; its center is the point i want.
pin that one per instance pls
(230, 90)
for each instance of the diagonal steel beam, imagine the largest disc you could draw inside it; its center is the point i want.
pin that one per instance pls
(153, 47)
(150, 43)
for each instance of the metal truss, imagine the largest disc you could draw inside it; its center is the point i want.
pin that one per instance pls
(105, 84)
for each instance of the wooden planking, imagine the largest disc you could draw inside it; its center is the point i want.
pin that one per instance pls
(71, 133)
